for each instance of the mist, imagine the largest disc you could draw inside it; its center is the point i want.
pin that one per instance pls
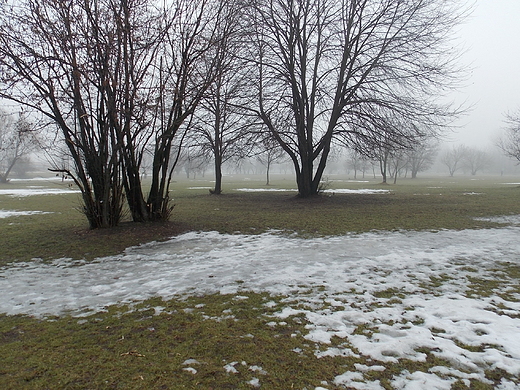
(489, 40)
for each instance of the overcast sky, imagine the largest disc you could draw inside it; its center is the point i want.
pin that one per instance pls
(492, 38)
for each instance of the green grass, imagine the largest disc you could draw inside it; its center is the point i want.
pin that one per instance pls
(421, 204)
(149, 346)
(144, 346)
(136, 348)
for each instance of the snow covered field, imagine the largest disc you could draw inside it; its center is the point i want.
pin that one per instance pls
(407, 290)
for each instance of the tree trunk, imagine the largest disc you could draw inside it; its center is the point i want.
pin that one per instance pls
(218, 176)
(267, 174)
(382, 165)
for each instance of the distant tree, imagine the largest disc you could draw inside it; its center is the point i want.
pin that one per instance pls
(422, 156)
(220, 126)
(387, 150)
(271, 153)
(398, 160)
(357, 162)
(194, 161)
(453, 158)
(475, 160)
(510, 143)
(17, 141)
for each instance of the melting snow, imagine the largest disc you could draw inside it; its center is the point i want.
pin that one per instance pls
(360, 191)
(36, 191)
(264, 190)
(13, 213)
(337, 191)
(408, 290)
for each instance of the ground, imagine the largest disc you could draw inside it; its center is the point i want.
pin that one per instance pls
(402, 309)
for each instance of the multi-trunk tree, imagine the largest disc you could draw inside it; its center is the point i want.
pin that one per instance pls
(60, 70)
(118, 79)
(351, 70)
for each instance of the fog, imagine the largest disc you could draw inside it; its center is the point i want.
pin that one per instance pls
(490, 37)
(491, 54)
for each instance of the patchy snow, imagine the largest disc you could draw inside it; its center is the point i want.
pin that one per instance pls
(230, 368)
(360, 191)
(505, 219)
(13, 213)
(264, 190)
(36, 190)
(407, 291)
(47, 178)
(329, 191)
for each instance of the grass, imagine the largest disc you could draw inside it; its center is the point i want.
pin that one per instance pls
(154, 344)
(421, 204)
(148, 345)
(136, 348)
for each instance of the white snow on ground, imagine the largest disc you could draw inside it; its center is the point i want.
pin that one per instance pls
(265, 190)
(17, 192)
(360, 191)
(13, 213)
(337, 191)
(48, 178)
(408, 290)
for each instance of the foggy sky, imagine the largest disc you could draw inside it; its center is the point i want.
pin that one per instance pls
(491, 37)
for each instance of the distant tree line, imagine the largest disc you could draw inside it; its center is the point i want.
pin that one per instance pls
(463, 157)
(133, 86)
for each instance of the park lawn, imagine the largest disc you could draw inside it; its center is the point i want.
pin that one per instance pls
(190, 342)
(420, 204)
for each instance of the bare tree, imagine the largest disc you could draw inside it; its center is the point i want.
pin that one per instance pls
(195, 48)
(340, 69)
(221, 128)
(510, 143)
(270, 154)
(355, 161)
(422, 157)
(17, 140)
(193, 160)
(475, 160)
(453, 158)
(398, 160)
(119, 79)
(59, 69)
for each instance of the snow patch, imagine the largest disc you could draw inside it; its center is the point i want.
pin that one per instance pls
(16, 192)
(13, 213)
